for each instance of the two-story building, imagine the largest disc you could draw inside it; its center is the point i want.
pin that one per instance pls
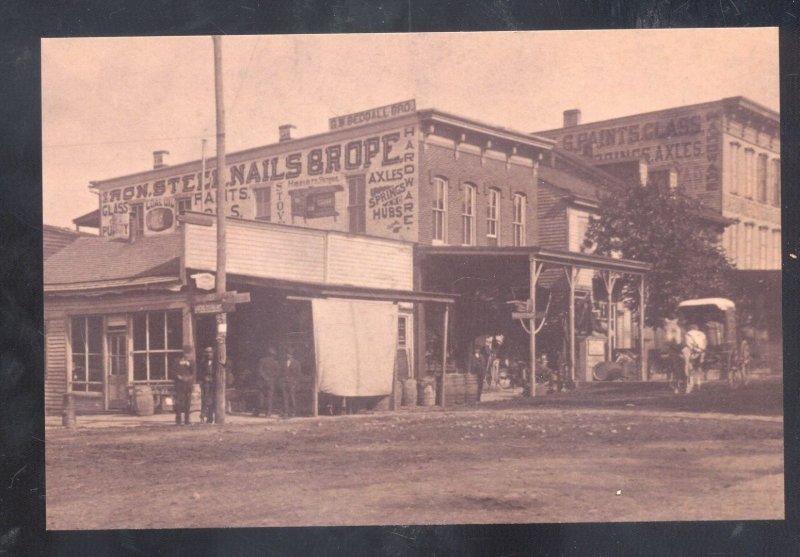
(355, 245)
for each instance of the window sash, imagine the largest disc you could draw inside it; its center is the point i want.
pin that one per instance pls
(86, 364)
(148, 361)
(263, 204)
(468, 215)
(520, 206)
(440, 209)
(491, 214)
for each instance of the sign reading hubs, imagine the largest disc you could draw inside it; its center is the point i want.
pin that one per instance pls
(372, 115)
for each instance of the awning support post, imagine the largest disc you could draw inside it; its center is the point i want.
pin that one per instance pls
(610, 278)
(642, 351)
(535, 271)
(572, 275)
(444, 348)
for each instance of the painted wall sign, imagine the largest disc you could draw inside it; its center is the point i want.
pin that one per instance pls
(689, 141)
(264, 189)
(372, 115)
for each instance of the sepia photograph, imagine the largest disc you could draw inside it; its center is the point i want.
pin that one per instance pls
(412, 279)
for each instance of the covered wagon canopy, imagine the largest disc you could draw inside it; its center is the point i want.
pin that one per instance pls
(723, 304)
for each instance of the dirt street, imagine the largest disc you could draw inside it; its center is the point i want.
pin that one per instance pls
(619, 456)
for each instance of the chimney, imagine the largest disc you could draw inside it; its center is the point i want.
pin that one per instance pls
(158, 159)
(285, 132)
(572, 117)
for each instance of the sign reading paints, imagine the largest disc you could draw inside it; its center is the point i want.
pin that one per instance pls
(316, 187)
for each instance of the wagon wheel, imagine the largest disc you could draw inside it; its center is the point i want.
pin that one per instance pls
(738, 365)
(745, 357)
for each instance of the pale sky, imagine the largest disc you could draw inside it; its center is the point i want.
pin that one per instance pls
(107, 103)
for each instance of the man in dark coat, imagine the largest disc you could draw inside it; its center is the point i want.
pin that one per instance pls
(290, 375)
(267, 377)
(184, 381)
(479, 364)
(207, 375)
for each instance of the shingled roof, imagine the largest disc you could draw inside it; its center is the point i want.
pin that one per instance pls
(96, 262)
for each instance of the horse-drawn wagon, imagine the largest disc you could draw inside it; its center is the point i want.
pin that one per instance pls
(723, 348)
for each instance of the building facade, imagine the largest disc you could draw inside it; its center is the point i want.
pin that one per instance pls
(724, 153)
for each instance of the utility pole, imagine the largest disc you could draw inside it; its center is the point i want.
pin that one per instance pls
(222, 318)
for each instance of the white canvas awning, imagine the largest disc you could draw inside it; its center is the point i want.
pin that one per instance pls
(355, 344)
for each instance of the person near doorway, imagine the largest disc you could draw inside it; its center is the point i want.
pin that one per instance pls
(208, 383)
(290, 375)
(267, 377)
(184, 381)
(479, 365)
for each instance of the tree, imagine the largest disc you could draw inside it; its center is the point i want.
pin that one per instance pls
(662, 227)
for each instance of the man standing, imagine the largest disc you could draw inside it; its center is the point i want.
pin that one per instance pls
(208, 383)
(267, 376)
(479, 364)
(184, 380)
(290, 375)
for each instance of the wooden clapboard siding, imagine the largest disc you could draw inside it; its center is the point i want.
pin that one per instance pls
(552, 217)
(55, 369)
(260, 251)
(369, 262)
(303, 255)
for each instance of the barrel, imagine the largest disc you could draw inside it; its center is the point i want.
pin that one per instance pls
(409, 392)
(195, 403)
(427, 394)
(607, 371)
(470, 388)
(143, 401)
(454, 389)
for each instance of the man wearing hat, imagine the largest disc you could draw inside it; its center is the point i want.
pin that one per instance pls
(267, 376)
(184, 380)
(207, 375)
(290, 375)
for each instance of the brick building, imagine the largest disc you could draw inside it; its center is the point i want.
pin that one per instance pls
(355, 214)
(724, 153)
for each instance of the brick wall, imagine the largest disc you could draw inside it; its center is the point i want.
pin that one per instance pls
(437, 160)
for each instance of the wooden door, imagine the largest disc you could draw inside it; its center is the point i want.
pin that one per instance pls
(117, 370)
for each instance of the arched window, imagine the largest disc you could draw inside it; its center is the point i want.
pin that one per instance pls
(518, 223)
(440, 210)
(493, 217)
(468, 215)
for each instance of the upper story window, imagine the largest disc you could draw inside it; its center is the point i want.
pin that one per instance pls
(135, 221)
(440, 210)
(735, 166)
(468, 215)
(518, 222)
(761, 184)
(578, 225)
(493, 216)
(182, 205)
(775, 185)
(357, 204)
(750, 174)
(263, 197)
(86, 335)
